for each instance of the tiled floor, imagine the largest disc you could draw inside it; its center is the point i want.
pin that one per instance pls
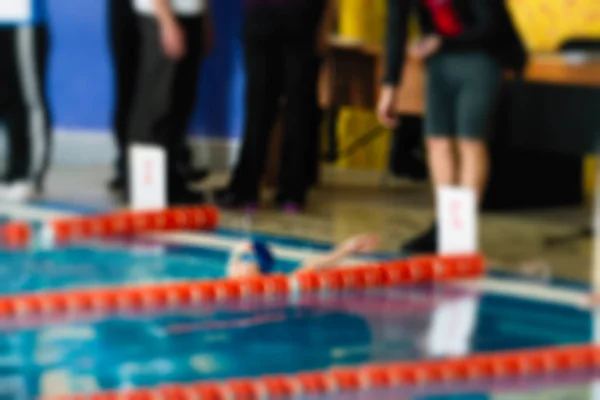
(395, 211)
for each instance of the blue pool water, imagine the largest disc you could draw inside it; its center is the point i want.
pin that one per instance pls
(253, 339)
(97, 265)
(249, 340)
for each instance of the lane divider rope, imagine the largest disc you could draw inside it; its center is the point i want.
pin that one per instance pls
(22, 235)
(488, 367)
(81, 303)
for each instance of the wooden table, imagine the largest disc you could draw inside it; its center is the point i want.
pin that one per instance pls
(560, 71)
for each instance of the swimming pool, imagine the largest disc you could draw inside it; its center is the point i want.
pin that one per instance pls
(258, 337)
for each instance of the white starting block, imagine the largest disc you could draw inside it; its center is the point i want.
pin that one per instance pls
(458, 231)
(147, 186)
(147, 177)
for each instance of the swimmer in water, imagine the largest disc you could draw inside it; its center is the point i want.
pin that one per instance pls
(255, 258)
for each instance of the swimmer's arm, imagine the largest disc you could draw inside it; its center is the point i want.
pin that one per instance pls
(364, 243)
(327, 260)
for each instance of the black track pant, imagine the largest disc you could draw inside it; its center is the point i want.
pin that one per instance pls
(166, 92)
(125, 45)
(281, 61)
(23, 102)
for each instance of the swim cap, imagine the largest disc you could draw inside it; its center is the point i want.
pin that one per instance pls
(264, 257)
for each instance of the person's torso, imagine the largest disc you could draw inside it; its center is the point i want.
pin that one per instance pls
(445, 17)
(452, 18)
(22, 12)
(183, 8)
(283, 20)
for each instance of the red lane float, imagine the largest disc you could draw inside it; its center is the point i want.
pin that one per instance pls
(364, 378)
(49, 306)
(19, 235)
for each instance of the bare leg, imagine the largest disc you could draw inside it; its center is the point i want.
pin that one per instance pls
(474, 165)
(443, 168)
(442, 160)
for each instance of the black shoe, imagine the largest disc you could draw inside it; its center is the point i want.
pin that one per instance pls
(290, 205)
(283, 198)
(117, 184)
(411, 168)
(426, 243)
(416, 170)
(184, 196)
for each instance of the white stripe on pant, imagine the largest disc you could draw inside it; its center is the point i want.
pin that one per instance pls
(27, 62)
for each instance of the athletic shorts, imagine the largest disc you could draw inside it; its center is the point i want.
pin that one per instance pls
(462, 94)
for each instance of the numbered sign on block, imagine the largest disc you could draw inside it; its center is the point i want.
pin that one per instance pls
(458, 228)
(147, 177)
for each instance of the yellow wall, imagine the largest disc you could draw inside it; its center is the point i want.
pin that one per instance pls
(362, 20)
(545, 24)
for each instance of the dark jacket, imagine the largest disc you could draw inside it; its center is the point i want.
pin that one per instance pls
(488, 27)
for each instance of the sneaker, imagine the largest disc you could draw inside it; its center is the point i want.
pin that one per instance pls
(426, 243)
(289, 205)
(118, 190)
(292, 208)
(251, 208)
(117, 184)
(18, 192)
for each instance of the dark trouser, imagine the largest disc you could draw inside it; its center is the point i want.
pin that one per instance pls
(166, 92)
(462, 95)
(407, 150)
(125, 45)
(280, 61)
(23, 101)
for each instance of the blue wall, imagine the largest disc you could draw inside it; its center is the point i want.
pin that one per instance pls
(80, 80)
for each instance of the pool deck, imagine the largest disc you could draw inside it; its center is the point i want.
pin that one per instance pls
(397, 211)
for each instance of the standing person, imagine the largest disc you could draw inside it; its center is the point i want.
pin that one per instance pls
(24, 43)
(465, 44)
(125, 46)
(283, 44)
(125, 42)
(174, 37)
